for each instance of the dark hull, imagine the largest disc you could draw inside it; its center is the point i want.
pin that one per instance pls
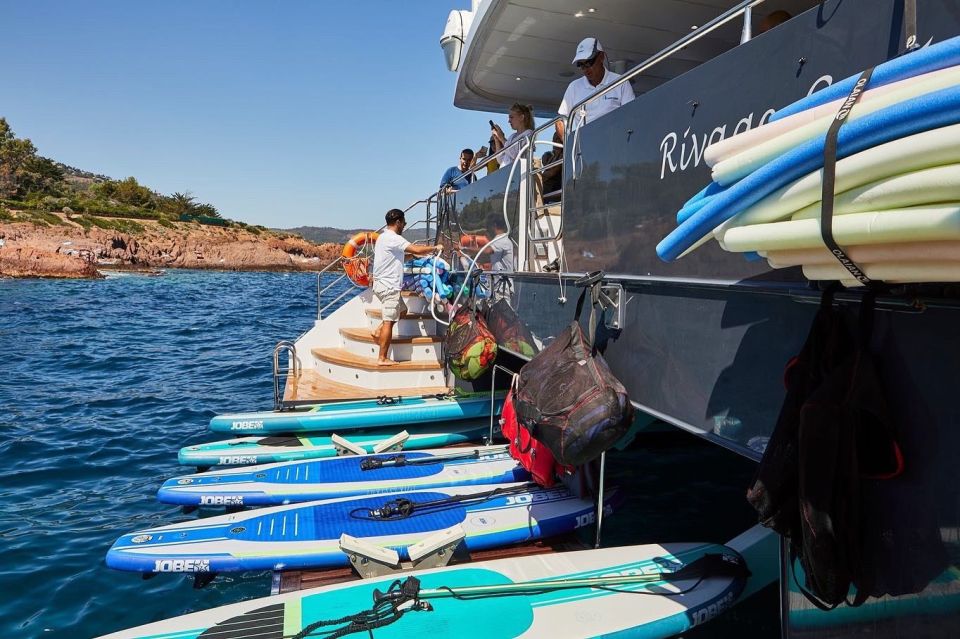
(705, 339)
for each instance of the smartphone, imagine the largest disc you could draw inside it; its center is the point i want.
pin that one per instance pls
(492, 125)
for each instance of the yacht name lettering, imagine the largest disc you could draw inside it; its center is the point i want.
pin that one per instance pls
(706, 614)
(221, 500)
(250, 424)
(679, 152)
(181, 565)
(238, 459)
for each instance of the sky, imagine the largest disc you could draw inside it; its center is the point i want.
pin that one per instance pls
(292, 113)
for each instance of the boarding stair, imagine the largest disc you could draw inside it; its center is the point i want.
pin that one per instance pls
(336, 360)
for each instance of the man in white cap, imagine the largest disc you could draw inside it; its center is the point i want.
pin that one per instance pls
(591, 60)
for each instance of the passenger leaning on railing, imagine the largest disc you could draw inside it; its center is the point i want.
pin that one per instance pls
(453, 178)
(520, 117)
(591, 60)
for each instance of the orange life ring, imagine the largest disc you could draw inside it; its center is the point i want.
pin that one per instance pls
(356, 266)
(475, 243)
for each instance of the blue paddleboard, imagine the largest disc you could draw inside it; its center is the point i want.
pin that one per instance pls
(278, 448)
(299, 481)
(307, 535)
(368, 413)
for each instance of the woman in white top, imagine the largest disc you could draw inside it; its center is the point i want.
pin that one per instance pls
(521, 121)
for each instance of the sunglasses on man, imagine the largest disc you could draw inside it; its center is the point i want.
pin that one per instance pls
(586, 64)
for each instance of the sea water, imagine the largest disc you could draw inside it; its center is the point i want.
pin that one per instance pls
(101, 382)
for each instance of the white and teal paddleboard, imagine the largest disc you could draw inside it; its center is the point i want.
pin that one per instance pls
(293, 447)
(368, 413)
(299, 481)
(622, 592)
(307, 535)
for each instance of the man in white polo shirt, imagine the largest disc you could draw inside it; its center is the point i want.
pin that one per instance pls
(591, 60)
(388, 277)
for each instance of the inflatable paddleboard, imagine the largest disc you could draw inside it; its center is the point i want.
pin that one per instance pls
(307, 535)
(368, 413)
(278, 448)
(299, 481)
(553, 607)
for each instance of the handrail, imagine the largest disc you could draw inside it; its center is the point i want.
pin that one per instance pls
(320, 291)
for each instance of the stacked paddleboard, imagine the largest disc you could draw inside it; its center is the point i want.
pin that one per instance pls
(897, 189)
(430, 421)
(307, 535)
(288, 482)
(624, 591)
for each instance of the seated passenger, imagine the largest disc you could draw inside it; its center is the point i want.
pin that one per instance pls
(521, 121)
(454, 179)
(591, 60)
(553, 177)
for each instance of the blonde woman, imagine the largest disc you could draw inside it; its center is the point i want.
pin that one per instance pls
(521, 121)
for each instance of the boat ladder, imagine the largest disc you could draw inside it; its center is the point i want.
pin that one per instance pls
(292, 368)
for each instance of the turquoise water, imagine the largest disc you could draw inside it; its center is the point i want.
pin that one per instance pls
(103, 382)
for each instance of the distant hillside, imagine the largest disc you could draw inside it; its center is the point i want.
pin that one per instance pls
(322, 234)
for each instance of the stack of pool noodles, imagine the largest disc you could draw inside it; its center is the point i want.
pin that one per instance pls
(897, 189)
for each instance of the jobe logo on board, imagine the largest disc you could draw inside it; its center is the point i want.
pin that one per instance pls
(221, 500)
(238, 459)
(536, 498)
(181, 565)
(247, 424)
(707, 613)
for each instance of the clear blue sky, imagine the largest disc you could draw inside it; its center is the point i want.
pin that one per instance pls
(285, 113)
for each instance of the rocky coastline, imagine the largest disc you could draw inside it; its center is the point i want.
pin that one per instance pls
(71, 250)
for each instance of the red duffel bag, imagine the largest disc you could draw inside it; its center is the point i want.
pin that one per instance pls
(532, 454)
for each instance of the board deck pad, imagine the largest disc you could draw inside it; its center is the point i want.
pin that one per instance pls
(299, 481)
(369, 413)
(312, 445)
(570, 612)
(307, 535)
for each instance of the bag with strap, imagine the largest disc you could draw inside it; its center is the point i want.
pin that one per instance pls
(833, 433)
(469, 346)
(509, 331)
(532, 454)
(568, 398)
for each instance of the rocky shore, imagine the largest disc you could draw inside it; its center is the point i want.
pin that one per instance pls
(69, 250)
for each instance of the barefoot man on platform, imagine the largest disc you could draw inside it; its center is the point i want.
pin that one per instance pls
(388, 277)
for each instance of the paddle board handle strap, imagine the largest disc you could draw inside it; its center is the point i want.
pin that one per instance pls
(830, 178)
(375, 463)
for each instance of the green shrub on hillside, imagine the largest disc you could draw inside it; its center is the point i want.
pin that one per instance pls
(6, 216)
(164, 222)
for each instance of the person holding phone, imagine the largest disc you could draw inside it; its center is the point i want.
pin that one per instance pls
(520, 118)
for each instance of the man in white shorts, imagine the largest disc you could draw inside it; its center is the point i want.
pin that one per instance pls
(388, 277)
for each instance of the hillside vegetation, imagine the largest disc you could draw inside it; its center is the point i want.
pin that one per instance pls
(34, 186)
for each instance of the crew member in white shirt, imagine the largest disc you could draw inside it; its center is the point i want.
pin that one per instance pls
(388, 278)
(591, 60)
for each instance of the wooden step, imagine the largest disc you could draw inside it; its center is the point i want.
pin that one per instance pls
(344, 357)
(377, 313)
(310, 388)
(363, 335)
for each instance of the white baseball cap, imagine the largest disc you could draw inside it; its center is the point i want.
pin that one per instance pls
(587, 48)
